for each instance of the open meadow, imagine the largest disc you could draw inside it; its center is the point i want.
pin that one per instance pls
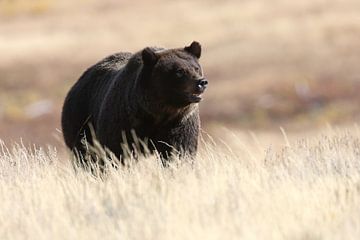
(280, 151)
(308, 188)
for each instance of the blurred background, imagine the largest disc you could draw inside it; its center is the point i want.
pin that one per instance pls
(273, 63)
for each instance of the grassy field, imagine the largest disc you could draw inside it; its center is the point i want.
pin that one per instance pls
(269, 64)
(296, 188)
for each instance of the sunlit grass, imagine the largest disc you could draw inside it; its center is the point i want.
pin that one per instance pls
(239, 189)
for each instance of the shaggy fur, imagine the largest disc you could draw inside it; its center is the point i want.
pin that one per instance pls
(153, 93)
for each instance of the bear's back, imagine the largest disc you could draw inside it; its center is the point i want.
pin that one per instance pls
(114, 62)
(85, 97)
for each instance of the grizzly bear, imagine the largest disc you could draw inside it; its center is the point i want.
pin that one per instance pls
(152, 94)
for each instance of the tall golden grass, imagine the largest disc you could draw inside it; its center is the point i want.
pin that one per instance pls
(238, 189)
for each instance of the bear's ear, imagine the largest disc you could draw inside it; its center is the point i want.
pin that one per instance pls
(149, 57)
(194, 49)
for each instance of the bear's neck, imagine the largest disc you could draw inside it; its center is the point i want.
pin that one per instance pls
(158, 113)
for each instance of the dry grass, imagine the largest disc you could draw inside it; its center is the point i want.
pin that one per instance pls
(305, 189)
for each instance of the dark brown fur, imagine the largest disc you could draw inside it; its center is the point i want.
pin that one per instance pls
(154, 93)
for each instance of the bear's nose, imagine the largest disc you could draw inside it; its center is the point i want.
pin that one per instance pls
(201, 85)
(203, 82)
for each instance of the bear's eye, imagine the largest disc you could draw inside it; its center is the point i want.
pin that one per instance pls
(198, 70)
(180, 73)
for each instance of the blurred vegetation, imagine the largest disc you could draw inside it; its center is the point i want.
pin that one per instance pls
(11, 8)
(291, 64)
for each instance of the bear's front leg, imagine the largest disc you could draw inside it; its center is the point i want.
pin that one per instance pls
(181, 139)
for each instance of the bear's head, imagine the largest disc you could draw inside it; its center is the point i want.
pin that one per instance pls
(175, 76)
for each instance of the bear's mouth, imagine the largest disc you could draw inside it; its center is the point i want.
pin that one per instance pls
(195, 97)
(185, 98)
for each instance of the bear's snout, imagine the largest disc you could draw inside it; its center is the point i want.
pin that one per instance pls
(201, 85)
